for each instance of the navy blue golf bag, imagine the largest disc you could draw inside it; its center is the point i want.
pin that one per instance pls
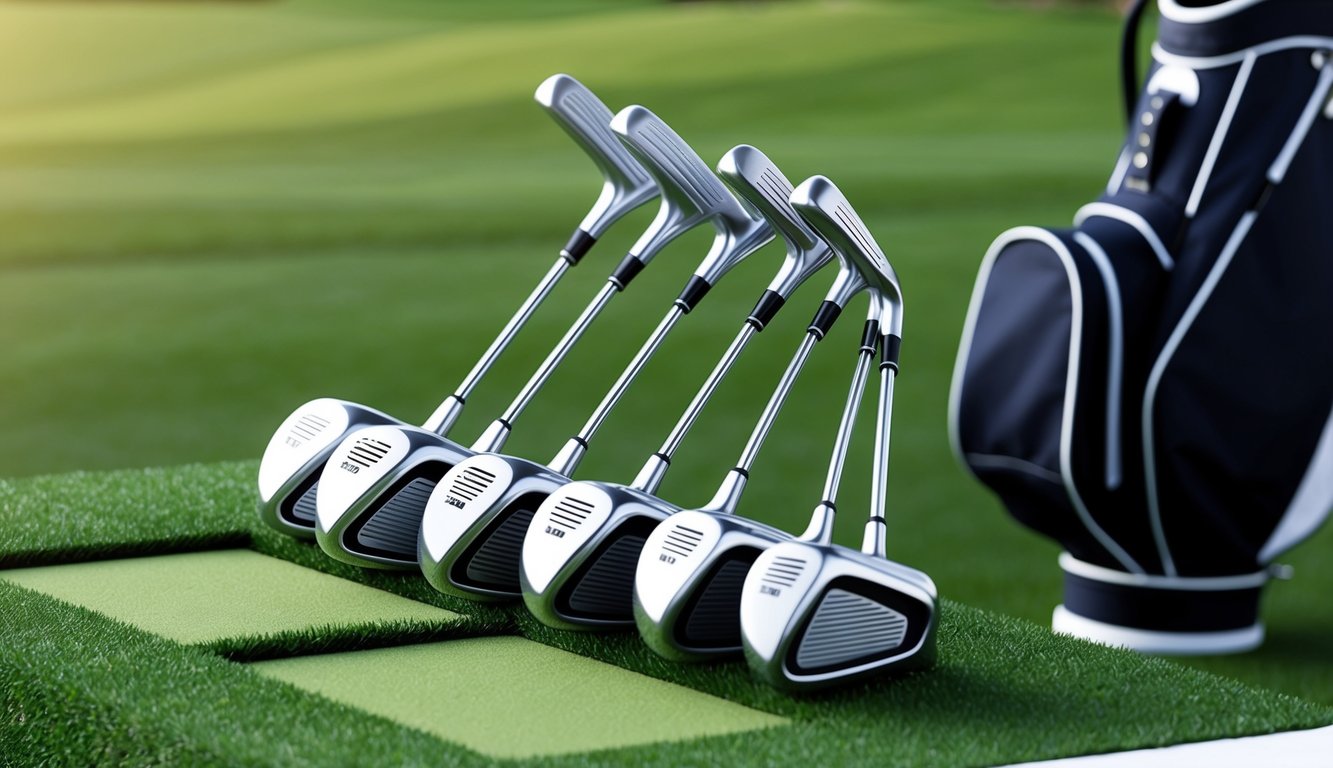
(1153, 387)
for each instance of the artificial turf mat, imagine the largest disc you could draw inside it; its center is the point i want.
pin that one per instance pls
(208, 597)
(79, 687)
(510, 697)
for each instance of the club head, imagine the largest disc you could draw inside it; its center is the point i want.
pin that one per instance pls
(691, 195)
(814, 616)
(373, 493)
(688, 583)
(475, 520)
(827, 211)
(625, 184)
(580, 551)
(757, 181)
(295, 456)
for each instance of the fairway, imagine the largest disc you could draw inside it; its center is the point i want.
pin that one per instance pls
(213, 212)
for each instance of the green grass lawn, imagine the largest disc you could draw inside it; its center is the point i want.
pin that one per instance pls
(211, 212)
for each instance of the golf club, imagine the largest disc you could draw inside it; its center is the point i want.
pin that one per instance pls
(299, 449)
(475, 521)
(374, 491)
(687, 585)
(581, 548)
(814, 614)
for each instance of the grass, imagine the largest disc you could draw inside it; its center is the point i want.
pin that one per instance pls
(213, 212)
(78, 687)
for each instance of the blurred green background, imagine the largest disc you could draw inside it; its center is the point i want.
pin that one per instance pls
(211, 212)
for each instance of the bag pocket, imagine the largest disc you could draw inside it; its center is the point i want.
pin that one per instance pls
(1044, 380)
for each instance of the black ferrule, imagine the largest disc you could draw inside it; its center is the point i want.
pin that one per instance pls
(626, 271)
(764, 310)
(694, 292)
(507, 425)
(579, 244)
(829, 503)
(876, 519)
(825, 317)
(870, 337)
(665, 458)
(580, 441)
(889, 346)
(741, 472)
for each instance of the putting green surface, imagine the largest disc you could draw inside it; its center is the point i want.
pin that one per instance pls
(86, 661)
(511, 697)
(202, 597)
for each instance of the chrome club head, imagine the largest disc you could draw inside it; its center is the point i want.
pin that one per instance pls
(816, 615)
(579, 553)
(691, 194)
(473, 526)
(825, 208)
(626, 185)
(289, 471)
(373, 492)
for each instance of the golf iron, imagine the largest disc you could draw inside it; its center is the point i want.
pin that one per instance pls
(374, 492)
(299, 449)
(814, 614)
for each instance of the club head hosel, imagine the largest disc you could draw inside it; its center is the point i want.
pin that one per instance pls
(494, 438)
(615, 200)
(569, 457)
(727, 498)
(873, 539)
(445, 415)
(731, 246)
(670, 223)
(653, 473)
(820, 529)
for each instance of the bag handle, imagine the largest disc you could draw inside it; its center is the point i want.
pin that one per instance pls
(1129, 51)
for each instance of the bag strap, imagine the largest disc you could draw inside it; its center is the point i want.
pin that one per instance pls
(1129, 54)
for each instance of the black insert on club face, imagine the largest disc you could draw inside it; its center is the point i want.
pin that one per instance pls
(491, 561)
(711, 620)
(602, 590)
(391, 528)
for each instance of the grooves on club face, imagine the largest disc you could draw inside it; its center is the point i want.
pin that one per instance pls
(687, 585)
(580, 553)
(473, 528)
(815, 616)
(373, 492)
(295, 456)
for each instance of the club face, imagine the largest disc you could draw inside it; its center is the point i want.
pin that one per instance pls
(687, 586)
(373, 493)
(580, 552)
(475, 520)
(818, 616)
(296, 454)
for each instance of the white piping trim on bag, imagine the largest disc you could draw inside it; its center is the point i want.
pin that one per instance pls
(1133, 219)
(1115, 365)
(1311, 503)
(1276, 174)
(1278, 170)
(1071, 377)
(1071, 564)
(1219, 135)
(1172, 10)
(1227, 59)
(1118, 175)
(1066, 622)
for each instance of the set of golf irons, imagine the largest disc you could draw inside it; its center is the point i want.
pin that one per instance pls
(699, 584)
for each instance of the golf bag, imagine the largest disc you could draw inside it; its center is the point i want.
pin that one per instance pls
(1153, 387)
